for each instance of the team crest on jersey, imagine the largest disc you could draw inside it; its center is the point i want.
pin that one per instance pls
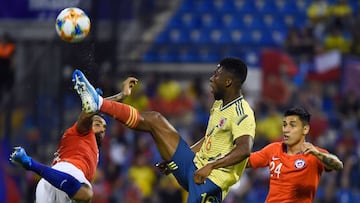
(299, 163)
(222, 123)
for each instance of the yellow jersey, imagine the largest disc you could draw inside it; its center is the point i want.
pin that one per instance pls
(226, 123)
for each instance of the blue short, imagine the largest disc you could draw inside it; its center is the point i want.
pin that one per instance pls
(204, 193)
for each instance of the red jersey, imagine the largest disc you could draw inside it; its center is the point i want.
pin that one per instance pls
(79, 149)
(293, 178)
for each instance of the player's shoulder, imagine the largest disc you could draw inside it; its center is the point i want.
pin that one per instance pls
(245, 105)
(321, 149)
(217, 103)
(275, 145)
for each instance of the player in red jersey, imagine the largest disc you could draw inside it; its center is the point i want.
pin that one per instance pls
(295, 165)
(76, 158)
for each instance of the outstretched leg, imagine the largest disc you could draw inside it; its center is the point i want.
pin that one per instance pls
(165, 135)
(63, 181)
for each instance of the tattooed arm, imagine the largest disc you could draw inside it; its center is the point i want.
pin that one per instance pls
(329, 160)
(127, 86)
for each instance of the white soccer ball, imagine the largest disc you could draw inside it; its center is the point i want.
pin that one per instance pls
(72, 24)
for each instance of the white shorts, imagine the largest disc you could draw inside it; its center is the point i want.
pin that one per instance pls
(47, 193)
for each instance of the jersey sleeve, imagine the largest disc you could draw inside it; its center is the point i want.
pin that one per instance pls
(244, 125)
(262, 157)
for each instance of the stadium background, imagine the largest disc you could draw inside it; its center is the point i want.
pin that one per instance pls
(298, 51)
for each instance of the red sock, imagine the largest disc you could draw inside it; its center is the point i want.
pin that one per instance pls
(124, 113)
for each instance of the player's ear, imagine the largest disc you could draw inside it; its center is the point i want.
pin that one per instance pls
(228, 82)
(306, 129)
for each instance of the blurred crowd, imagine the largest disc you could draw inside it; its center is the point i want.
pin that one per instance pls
(329, 26)
(126, 173)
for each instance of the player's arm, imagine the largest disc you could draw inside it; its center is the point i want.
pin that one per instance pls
(196, 147)
(242, 149)
(329, 160)
(127, 86)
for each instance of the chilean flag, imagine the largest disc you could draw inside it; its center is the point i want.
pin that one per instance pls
(326, 67)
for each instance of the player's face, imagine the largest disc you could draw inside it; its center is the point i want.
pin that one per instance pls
(217, 83)
(99, 128)
(294, 131)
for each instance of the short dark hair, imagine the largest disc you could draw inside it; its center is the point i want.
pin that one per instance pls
(99, 114)
(303, 114)
(235, 66)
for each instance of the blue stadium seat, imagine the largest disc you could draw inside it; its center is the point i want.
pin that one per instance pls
(163, 37)
(252, 57)
(204, 6)
(168, 54)
(278, 36)
(187, 6)
(244, 6)
(273, 21)
(179, 36)
(151, 55)
(220, 36)
(174, 23)
(265, 6)
(200, 36)
(188, 54)
(227, 23)
(302, 5)
(241, 36)
(190, 20)
(355, 6)
(234, 51)
(210, 20)
(287, 6)
(250, 21)
(184, 20)
(208, 54)
(261, 37)
(173, 36)
(231, 21)
(293, 19)
(224, 6)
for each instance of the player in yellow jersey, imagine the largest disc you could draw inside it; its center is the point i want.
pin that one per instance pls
(208, 168)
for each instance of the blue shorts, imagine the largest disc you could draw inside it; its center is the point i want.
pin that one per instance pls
(204, 193)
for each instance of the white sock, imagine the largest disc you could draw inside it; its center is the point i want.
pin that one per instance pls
(100, 101)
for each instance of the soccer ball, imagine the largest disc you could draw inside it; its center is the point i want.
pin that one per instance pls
(72, 24)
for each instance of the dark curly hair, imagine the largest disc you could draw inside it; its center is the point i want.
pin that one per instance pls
(235, 66)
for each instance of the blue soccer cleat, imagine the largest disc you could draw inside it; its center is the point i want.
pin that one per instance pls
(19, 157)
(89, 96)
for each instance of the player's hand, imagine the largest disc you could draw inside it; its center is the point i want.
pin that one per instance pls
(201, 174)
(163, 167)
(128, 84)
(308, 148)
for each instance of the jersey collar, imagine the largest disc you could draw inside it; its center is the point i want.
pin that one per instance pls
(232, 102)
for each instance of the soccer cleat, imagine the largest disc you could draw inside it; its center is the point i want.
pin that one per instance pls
(89, 96)
(99, 91)
(19, 156)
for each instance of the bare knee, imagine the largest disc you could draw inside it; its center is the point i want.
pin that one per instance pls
(151, 119)
(154, 115)
(84, 194)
